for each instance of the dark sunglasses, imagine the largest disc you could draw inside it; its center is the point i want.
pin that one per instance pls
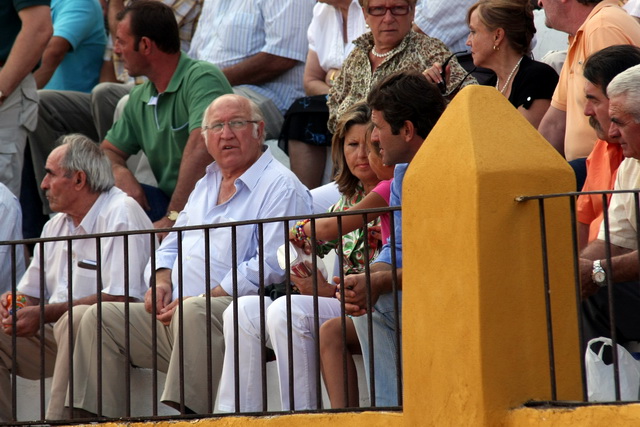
(443, 84)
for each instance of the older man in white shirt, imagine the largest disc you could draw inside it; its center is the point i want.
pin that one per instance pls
(80, 185)
(597, 270)
(244, 183)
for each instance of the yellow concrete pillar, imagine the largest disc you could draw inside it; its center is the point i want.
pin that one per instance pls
(474, 331)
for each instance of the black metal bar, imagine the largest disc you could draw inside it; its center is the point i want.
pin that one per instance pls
(70, 331)
(212, 226)
(316, 312)
(370, 304)
(612, 320)
(154, 326)
(127, 331)
(263, 332)
(547, 299)
(180, 312)
(611, 301)
(13, 334)
(578, 294)
(569, 194)
(42, 349)
(396, 305)
(99, 314)
(207, 286)
(236, 341)
(287, 257)
(370, 344)
(343, 326)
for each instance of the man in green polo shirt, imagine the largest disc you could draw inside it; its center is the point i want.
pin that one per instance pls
(163, 116)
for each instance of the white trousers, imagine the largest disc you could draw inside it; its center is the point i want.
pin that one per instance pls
(304, 350)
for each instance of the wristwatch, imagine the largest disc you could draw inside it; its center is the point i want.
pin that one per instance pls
(173, 215)
(598, 275)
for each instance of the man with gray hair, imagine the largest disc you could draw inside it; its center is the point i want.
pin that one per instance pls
(244, 183)
(80, 186)
(621, 272)
(604, 160)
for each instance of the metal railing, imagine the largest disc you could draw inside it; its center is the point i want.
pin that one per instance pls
(124, 239)
(571, 199)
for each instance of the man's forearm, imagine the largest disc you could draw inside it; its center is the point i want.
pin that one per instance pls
(269, 66)
(382, 278)
(624, 267)
(53, 312)
(195, 159)
(53, 55)
(27, 48)
(552, 128)
(597, 250)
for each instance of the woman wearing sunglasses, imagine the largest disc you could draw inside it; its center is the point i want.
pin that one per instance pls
(390, 46)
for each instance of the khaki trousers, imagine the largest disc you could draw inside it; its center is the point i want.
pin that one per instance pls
(168, 356)
(27, 364)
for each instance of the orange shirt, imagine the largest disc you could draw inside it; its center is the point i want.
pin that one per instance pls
(606, 25)
(602, 168)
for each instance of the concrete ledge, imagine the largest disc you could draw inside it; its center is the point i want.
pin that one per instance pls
(601, 415)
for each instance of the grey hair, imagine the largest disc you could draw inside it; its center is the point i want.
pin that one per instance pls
(627, 84)
(256, 113)
(85, 155)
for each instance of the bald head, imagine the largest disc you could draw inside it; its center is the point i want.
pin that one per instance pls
(236, 100)
(233, 130)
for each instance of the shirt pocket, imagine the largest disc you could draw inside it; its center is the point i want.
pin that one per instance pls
(241, 35)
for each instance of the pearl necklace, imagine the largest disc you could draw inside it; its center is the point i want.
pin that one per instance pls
(384, 55)
(508, 78)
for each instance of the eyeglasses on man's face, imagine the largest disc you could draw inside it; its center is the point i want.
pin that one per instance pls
(382, 10)
(233, 125)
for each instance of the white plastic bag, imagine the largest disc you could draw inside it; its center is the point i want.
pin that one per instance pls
(600, 381)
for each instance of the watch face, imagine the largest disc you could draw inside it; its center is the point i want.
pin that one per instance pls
(599, 277)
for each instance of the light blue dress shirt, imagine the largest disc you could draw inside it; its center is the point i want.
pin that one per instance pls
(266, 190)
(395, 200)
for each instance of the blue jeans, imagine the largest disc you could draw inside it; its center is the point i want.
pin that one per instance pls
(384, 348)
(158, 202)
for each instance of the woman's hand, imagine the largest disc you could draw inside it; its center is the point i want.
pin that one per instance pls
(434, 74)
(375, 236)
(305, 284)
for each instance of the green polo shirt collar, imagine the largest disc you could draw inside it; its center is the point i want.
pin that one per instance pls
(176, 80)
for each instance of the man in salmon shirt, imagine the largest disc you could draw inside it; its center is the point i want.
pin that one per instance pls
(603, 162)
